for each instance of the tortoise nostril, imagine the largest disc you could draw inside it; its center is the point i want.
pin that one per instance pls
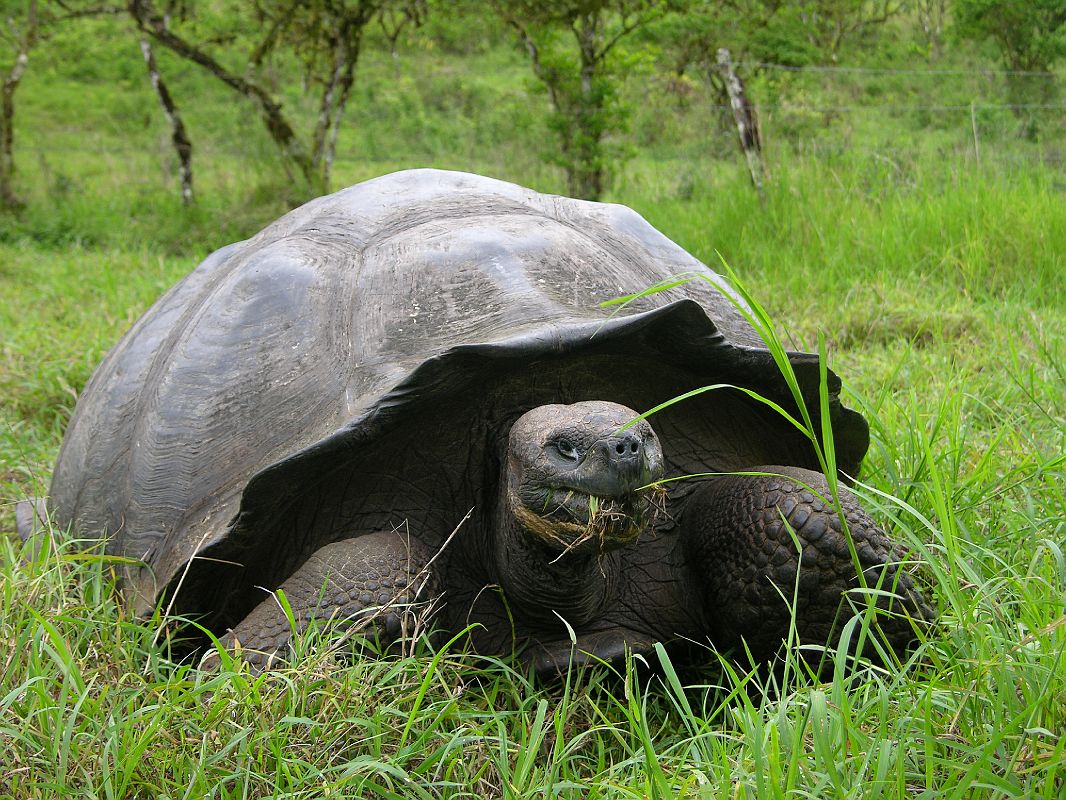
(626, 447)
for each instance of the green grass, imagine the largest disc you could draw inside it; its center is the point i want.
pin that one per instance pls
(936, 282)
(961, 378)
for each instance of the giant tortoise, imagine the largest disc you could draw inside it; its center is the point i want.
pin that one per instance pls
(405, 398)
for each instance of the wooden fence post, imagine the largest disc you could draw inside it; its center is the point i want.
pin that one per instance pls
(744, 115)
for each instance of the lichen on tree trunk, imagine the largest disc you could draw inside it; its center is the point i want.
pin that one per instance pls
(178, 135)
(745, 118)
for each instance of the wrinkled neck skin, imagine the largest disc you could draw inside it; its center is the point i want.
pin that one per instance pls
(577, 587)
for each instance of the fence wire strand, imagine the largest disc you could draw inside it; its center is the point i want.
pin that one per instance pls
(891, 71)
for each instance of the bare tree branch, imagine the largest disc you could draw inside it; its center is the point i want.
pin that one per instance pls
(150, 21)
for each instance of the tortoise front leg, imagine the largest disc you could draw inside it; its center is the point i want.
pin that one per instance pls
(371, 580)
(737, 539)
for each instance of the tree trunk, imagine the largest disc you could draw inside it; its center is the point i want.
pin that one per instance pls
(178, 135)
(326, 107)
(586, 182)
(342, 102)
(151, 22)
(9, 200)
(335, 98)
(585, 172)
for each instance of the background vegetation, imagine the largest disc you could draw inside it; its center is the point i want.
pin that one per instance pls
(914, 214)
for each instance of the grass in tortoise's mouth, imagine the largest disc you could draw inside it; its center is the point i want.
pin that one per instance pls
(569, 518)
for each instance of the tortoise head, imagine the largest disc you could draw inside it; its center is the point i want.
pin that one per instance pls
(577, 479)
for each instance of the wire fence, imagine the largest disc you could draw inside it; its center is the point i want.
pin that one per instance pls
(907, 121)
(978, 114)
(822, 109)
(830, 69)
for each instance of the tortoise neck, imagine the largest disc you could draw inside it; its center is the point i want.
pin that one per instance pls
(539, 584)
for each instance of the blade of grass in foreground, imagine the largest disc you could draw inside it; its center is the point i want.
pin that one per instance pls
(820, 436)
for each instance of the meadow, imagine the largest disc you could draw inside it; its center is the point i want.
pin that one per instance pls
(930, 270)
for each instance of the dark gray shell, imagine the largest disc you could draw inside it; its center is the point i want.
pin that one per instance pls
(354, 366)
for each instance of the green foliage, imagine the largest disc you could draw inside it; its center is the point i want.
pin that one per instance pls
(828, 24)
(1029, 35)
(779, 41)
(586, 109)
(761, 30)
(572, 46)
(460, 28)
(324, 37)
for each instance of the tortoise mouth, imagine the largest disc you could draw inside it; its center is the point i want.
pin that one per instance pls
(569, 519)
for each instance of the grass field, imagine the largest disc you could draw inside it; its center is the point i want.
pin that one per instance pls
(937, 282)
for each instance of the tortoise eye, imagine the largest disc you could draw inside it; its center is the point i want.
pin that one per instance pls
(566, 449)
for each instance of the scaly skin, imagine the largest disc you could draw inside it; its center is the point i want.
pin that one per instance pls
(737, 539)
(377, 579)
(736, 536)
(551, 557)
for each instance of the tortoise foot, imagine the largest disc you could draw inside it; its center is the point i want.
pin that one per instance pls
(774, 553)
(551, 658)
(376, 581)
